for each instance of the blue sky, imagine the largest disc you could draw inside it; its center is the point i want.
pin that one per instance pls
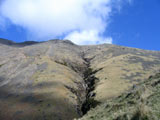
(137, 25)
(126, 23)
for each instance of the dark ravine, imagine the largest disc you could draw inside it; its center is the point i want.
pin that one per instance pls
(90, 81)
(84, 93)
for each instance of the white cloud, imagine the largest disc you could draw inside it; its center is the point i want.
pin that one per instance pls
(88, 37)
(2, 23)
(46, 19)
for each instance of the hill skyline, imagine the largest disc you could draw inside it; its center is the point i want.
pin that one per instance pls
(129, 23)
(57, 79)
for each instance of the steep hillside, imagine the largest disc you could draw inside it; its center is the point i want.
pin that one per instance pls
(140, 103)
(121, 67)
(58, 80)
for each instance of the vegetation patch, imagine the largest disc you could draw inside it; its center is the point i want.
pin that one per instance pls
(62, 63)
(1, 65)
(140, 103)
(90, 81)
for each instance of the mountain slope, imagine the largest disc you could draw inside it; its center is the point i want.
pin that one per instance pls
(121, 68)
(58, 80)
(140, 103)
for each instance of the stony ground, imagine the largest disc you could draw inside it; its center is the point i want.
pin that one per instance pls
(58, 80)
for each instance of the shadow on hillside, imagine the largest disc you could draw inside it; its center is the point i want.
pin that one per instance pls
(13, 44)
(27, 105)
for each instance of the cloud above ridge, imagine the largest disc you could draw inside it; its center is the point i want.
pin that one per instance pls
(81, 21)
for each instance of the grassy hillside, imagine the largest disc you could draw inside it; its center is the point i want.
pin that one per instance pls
(58, 80)
(140, 103)
(35, 82)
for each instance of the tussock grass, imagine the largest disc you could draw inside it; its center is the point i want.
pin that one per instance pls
(140, 103)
